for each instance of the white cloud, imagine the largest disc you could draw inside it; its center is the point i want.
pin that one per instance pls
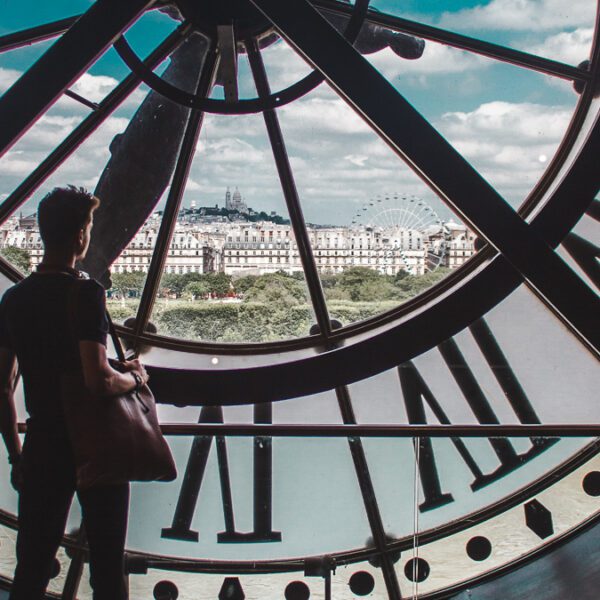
(525, 123)
(505, 141)
(522, 15)
(7, 78)
(229, 151)
(437, 59)
(338, 162)
(83, 167)
(357, 159)
(571, 47)
(323, 115)
(16, 164)
(283, 65)
(94, 87)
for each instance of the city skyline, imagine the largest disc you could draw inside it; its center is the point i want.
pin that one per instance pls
(204, 243)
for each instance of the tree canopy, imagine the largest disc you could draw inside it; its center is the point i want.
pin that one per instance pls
(18, 257)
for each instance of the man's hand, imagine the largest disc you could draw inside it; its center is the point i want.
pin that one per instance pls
(104, 377)
(137, 366)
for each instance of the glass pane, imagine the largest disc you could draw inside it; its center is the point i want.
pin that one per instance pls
(58, 581)
(319, 408)
(304, 474)
(378, 234)
(557, 378)
(232, 273)
(505, 120)
(31, 13)
(284, 67)
(508, 536)
(8, 540)
(14, 62)
(580, 249)
(536, 27)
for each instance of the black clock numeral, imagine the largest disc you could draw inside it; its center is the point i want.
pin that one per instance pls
(194, 474)
(416, 392)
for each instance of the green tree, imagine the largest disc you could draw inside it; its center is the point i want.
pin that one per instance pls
(196, 289)
(400, 275)
(175, 283)
(361, 284)
(277, 290)
(218, 283)
(18, 257)
(171, 282)
(244, 283)
(411, 285)
(128, 285)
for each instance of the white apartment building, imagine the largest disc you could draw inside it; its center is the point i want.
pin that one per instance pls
(191, 251)
(256, 248)
(264, 247)
(460, 246)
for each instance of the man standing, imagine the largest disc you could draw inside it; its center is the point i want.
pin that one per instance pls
(43, 340)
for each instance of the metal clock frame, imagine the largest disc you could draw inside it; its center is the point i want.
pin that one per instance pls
(525, 255)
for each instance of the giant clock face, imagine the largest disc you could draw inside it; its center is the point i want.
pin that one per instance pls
(361, 144)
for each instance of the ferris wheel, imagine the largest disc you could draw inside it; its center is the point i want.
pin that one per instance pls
(406, 224)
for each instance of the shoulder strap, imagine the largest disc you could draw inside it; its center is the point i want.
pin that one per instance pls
(115, 338)
(72, 302)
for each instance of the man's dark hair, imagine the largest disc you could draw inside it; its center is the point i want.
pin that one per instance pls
(63, 212)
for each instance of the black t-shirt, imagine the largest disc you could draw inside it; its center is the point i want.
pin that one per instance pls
(36, 325)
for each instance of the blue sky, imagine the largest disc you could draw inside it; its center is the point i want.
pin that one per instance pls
(506, 120)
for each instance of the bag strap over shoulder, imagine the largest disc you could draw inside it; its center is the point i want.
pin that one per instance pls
(73, 302)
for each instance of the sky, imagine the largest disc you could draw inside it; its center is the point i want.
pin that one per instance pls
(507, 121)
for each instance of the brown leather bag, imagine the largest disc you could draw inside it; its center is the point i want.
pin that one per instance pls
(115, 439)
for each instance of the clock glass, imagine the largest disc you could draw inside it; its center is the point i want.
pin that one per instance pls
(326, 214)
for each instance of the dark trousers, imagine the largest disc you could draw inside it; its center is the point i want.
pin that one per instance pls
(44, 501)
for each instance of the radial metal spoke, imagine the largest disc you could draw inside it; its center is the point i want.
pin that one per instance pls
(456, 40)
(62, 64)
(290, 192)
(32, 35)
(86, 128)
(171, 211)
(81, 99)
(412, 137)
(594, 210)
(367, 490)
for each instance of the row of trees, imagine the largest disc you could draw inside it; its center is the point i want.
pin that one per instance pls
(357, 284)
(18, 257)
(270, 307)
